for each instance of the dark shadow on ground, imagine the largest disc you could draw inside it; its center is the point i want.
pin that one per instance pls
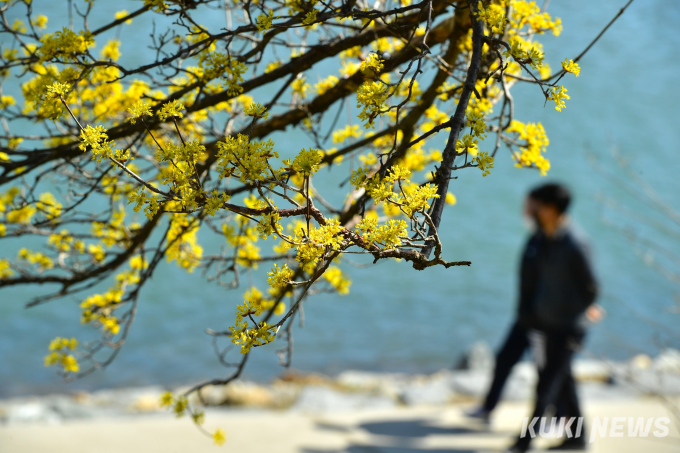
(399, 436)
(413, 428)
(387, 449)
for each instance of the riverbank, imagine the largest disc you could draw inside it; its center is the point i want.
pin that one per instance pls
(641, 376)
(392, 413)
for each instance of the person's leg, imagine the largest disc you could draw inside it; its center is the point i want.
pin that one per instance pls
(551, 378)
(506, 358)
(569, 403)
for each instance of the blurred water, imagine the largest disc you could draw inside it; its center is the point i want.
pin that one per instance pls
(397, 318)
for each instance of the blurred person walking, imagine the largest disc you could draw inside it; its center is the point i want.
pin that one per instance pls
(557, 292)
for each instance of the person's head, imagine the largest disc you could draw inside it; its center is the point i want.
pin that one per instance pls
(549, 203)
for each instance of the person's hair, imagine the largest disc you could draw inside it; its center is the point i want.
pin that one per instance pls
(554, 194)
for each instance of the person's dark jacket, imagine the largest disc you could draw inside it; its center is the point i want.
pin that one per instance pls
(556, 282)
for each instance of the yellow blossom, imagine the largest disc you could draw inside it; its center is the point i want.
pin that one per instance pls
(122, 14)
(219, 437)
(558, 94)
(569, 66)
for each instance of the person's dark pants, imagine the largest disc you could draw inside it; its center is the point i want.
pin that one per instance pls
(506, 358)
(555, 380)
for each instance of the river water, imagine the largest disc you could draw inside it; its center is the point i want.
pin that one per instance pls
(399, 319)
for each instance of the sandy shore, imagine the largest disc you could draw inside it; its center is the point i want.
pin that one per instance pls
(354, 412)
(435, 429)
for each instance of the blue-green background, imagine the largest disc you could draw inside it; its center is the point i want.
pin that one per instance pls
(399, 319)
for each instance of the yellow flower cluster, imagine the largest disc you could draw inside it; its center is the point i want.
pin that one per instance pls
(493, 16)
(468, 144)
(180, 406)
(256, 111)
(96, 138)
(536, 142)
(5, 269)
(279, 277)
(172, 109)
(484, 162)
(264, 22)
(310, 18)
(40, 259)
(245, 159)
(112, 232)
(525, 52)
(337, 279)
(60, 348)
(315, 244)
(410, 198)
(349, 131)
(307, 161)
(558, 94)
(529, 13)
(388, 234)
(300, 86)
(371, 98)
(372, 65)
(65, 45)
(254, 304)
(182, 242)
(64, 242)
(326, 84)
(139, 110)
(569, 66)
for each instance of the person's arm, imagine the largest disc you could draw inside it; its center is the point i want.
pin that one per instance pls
(527, 280)
(583, 273)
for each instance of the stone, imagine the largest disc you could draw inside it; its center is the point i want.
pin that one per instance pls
(591, 370)
(242, 393)
(521, 383)
(284, 394)
(641, 361)
(30, 412)
(212, 395)
(668, 361)
(478, 357)
(435, 391)
(602, 391)
(470, 382)
(647, 381)
(69, 408)
(326, 399)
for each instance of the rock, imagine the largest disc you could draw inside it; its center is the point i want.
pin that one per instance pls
(212, 395)
(241, 393)
(434, 391)
(602, 391)
(325, 399)
(147, 403)
(478, 357)
(284, 394)
(361, 380)
(305, 379)
(471, 382)
(668, 361)
(386, 384)
(30, 412)
(521, 383)
(641, 361)
(69, 408)
(591, 370)
(236, 393)
(125, 400)
(647, 381)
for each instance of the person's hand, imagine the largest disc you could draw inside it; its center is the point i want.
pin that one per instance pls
(595, 313)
